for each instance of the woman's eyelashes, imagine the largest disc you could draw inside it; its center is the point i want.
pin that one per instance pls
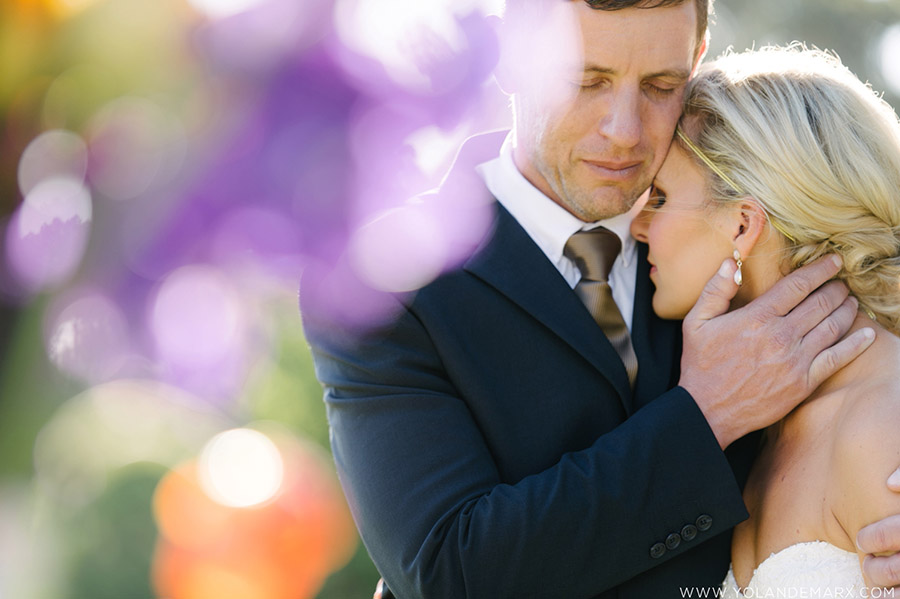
(657, 198)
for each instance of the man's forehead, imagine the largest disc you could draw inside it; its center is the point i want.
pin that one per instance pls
(573, 40)
(526, 11)
(512, 6)
(660, 39)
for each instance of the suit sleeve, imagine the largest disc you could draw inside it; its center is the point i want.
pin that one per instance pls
(435, 516)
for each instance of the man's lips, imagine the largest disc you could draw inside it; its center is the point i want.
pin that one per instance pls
(617, 171)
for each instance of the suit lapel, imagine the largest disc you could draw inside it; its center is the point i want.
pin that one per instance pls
(513, 264)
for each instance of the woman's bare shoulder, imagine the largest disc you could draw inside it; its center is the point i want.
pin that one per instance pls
(866, 448)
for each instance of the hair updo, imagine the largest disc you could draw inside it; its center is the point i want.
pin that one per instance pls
(819, 150)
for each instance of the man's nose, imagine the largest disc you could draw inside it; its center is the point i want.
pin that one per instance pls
(622, 123)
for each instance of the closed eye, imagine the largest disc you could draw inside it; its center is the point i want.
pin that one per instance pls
(592, 84)
(660, 92)
(657, 198)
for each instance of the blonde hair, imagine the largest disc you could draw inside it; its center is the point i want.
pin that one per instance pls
(818, 149)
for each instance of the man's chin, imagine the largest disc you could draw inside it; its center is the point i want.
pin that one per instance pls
(606, 204)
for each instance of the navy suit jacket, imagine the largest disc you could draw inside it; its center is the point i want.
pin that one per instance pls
(490, 446)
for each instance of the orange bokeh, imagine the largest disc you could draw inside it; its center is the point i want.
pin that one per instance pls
(282, 549)
(57, 9)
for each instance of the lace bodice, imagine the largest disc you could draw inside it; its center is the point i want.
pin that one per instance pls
(814, 569)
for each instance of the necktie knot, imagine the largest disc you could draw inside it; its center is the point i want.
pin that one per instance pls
(593, 252)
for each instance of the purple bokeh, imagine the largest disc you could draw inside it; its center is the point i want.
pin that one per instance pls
(307, 160)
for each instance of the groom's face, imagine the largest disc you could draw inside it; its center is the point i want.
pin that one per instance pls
(595, 119)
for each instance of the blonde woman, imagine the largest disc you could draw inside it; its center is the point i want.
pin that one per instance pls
(782, 156)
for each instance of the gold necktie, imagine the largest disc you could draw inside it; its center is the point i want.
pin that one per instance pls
(594, 252)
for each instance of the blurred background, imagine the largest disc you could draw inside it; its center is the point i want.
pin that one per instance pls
(167, 171)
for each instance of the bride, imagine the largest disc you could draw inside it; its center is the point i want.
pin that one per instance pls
(782, 156)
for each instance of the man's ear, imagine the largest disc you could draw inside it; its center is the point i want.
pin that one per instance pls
(538, 47)
(506, 71)
(747, 222)
(701, 53)
(509, 72)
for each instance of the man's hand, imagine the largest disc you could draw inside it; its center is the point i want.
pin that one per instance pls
(748, 368)
(881, 540)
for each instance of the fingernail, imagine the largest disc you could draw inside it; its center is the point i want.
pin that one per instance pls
(725, 269)
(869, 334)
(853, 301)
(837, 260)
(894, 480)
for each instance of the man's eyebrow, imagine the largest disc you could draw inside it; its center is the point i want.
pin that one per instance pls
(599, 70)
(677, 74)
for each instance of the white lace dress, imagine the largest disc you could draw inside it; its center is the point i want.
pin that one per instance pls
(815, 569)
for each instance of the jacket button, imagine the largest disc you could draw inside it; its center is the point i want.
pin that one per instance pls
(673, 541)
(657, 551)
(704, 522)
(689, 532)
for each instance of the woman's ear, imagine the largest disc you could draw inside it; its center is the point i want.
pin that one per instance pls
(747, 222)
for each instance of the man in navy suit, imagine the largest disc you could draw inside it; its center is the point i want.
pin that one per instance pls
(489, 438)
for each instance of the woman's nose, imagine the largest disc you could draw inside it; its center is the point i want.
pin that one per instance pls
(641, 224)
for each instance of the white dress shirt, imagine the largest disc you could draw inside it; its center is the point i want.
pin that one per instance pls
(550, 226)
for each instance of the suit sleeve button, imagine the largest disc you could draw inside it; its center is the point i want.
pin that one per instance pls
(673, 541)
(704, 522)
(689, 532)
(657, 551)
